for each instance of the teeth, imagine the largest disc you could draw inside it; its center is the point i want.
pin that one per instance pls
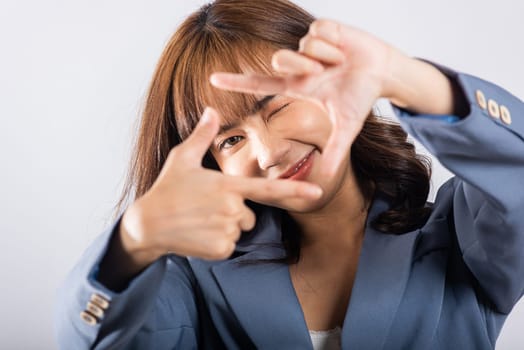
(300, 164)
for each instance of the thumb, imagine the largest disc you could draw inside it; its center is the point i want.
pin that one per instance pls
(197, 144)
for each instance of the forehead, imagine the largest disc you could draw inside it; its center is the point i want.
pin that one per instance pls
(243, 60)
(232, 122)
(192, 91)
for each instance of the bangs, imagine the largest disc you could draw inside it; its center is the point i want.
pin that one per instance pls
(214, 52)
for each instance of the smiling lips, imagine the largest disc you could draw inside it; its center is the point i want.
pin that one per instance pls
(301, 170)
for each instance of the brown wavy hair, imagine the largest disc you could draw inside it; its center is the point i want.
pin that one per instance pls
(240, 36)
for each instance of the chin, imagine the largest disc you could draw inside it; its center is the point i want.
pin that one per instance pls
(304, 206)
(332, 189)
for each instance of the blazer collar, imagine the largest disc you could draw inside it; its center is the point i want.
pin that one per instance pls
(263, 298)
(267, 231)
(382, 274)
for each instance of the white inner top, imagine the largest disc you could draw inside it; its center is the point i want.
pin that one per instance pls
(326, 340)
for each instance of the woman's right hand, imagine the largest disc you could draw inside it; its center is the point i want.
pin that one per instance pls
(194, 211)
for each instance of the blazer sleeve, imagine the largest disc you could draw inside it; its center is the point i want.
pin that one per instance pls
(485, 150)
(152, 311)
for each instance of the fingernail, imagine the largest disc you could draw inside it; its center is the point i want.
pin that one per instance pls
(274, 62)
(301, 44)
(324, 30)
(213, 79)
(206, 116)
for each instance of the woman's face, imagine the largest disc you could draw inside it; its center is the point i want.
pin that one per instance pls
(283, 139)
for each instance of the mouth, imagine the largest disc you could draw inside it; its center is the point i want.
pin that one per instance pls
(301, 169)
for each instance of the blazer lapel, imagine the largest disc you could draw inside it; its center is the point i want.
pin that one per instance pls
(264, 301)
(382, 274)
(261, 295)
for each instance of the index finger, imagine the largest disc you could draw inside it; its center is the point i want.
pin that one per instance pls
(272, 191)
(328, 30)
(255, 84)
(197, 144)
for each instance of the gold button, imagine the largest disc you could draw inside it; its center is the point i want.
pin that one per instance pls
(95, 309)
(505, 115)
(88, 318)
(493, 108)
(100, 301)
(481, 99)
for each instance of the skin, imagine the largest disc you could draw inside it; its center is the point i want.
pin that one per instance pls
(267, 145)
(329, 85)
(190, 210)
(343, 71)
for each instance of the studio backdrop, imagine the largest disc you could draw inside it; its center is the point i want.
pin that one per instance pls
(73, 75)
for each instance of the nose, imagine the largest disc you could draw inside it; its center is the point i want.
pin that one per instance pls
(270, 151)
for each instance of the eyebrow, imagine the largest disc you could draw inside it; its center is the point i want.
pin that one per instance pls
(259, 105)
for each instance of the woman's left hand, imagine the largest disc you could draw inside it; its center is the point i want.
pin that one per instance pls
(343, 69)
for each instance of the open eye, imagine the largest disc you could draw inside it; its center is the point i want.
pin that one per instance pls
(230, 142)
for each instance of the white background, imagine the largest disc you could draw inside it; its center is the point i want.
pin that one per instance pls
(72, 77)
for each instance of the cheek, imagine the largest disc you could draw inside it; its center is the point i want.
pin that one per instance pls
(306, 122)
(233, 168)
(237, 165)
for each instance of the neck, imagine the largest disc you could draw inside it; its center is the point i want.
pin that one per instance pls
(336, 227)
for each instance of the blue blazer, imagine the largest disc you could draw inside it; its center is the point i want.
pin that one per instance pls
(447, 285)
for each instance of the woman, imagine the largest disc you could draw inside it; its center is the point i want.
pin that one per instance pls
(315, 232)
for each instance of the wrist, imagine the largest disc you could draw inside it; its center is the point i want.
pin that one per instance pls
(420, 87)
(393, 86)
(134, 241)
(118, 266)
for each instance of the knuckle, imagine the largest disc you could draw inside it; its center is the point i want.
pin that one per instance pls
(302, 43)
(314, 26)
(307, 44)
(222, 249)
(236, 232)
(215, 217)
(250, 220)
(231, 230)
(317, 25)
(232, 204)
(175, 153)
(229, 207)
